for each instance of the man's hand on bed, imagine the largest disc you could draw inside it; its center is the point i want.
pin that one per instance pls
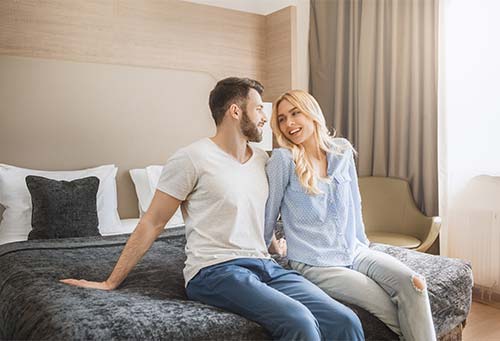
(88, 284)
(161, 209)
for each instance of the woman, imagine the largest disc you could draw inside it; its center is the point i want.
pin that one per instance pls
(313, 185)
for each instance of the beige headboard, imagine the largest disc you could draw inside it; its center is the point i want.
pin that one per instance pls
(85, 83)
(59, 115)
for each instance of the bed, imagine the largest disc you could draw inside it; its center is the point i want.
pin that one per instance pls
(72, 129)
(151, 302)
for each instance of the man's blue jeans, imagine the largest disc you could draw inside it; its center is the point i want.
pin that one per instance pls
(287, 305)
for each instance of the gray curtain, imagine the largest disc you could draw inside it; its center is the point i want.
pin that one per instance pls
(374, 73)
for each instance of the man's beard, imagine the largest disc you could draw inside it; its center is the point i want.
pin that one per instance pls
(250, 129)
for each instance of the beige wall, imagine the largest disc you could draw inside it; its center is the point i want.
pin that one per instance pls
(172, 34)
(266, 7)
(126, 82)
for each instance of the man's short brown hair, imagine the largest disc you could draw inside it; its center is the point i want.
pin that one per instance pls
(232, 90)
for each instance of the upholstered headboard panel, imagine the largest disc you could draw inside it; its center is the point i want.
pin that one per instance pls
(70, 115)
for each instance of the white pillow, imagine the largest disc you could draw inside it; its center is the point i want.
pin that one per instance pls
(15, 197)
(145, 182)
(141, 184)
(127, 226)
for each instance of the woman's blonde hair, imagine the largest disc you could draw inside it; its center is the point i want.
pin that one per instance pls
(308, 106)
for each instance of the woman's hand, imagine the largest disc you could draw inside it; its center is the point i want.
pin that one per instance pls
(278, 246)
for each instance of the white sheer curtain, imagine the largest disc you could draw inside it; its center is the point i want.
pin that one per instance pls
(469, 135)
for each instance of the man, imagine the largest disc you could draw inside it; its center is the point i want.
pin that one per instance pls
(222, 187)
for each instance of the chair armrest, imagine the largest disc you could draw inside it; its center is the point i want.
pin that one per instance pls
(431, 236)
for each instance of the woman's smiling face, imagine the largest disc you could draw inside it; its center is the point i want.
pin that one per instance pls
(295, 125)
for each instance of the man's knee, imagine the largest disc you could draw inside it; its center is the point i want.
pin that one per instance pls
(346, 326)
(299, 323)
(353, 325)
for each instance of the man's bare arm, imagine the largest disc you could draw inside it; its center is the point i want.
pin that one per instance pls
(162, 208)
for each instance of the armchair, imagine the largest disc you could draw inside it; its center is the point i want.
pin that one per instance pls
(391, 216)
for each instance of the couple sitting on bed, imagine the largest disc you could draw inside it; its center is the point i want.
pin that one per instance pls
(230, 208)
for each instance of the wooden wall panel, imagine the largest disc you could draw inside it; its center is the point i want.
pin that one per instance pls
(281, 52)
(169, 34)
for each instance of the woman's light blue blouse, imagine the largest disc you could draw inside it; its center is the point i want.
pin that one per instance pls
(321, 230)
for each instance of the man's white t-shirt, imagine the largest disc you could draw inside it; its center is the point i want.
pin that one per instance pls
(223, 203)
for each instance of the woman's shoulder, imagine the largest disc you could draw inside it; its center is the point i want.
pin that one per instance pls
(281, 155)
(341, 146)
(341, 142)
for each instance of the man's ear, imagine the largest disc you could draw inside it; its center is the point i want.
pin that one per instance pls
(234, 111)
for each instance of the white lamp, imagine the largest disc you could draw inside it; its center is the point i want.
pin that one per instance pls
(267, 134)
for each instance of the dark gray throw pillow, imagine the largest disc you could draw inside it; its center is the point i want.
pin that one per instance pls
(63, 209)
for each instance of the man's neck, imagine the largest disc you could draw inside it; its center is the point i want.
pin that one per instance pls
(233, 144)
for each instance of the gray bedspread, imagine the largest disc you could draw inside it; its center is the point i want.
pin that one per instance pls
(151, 302)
